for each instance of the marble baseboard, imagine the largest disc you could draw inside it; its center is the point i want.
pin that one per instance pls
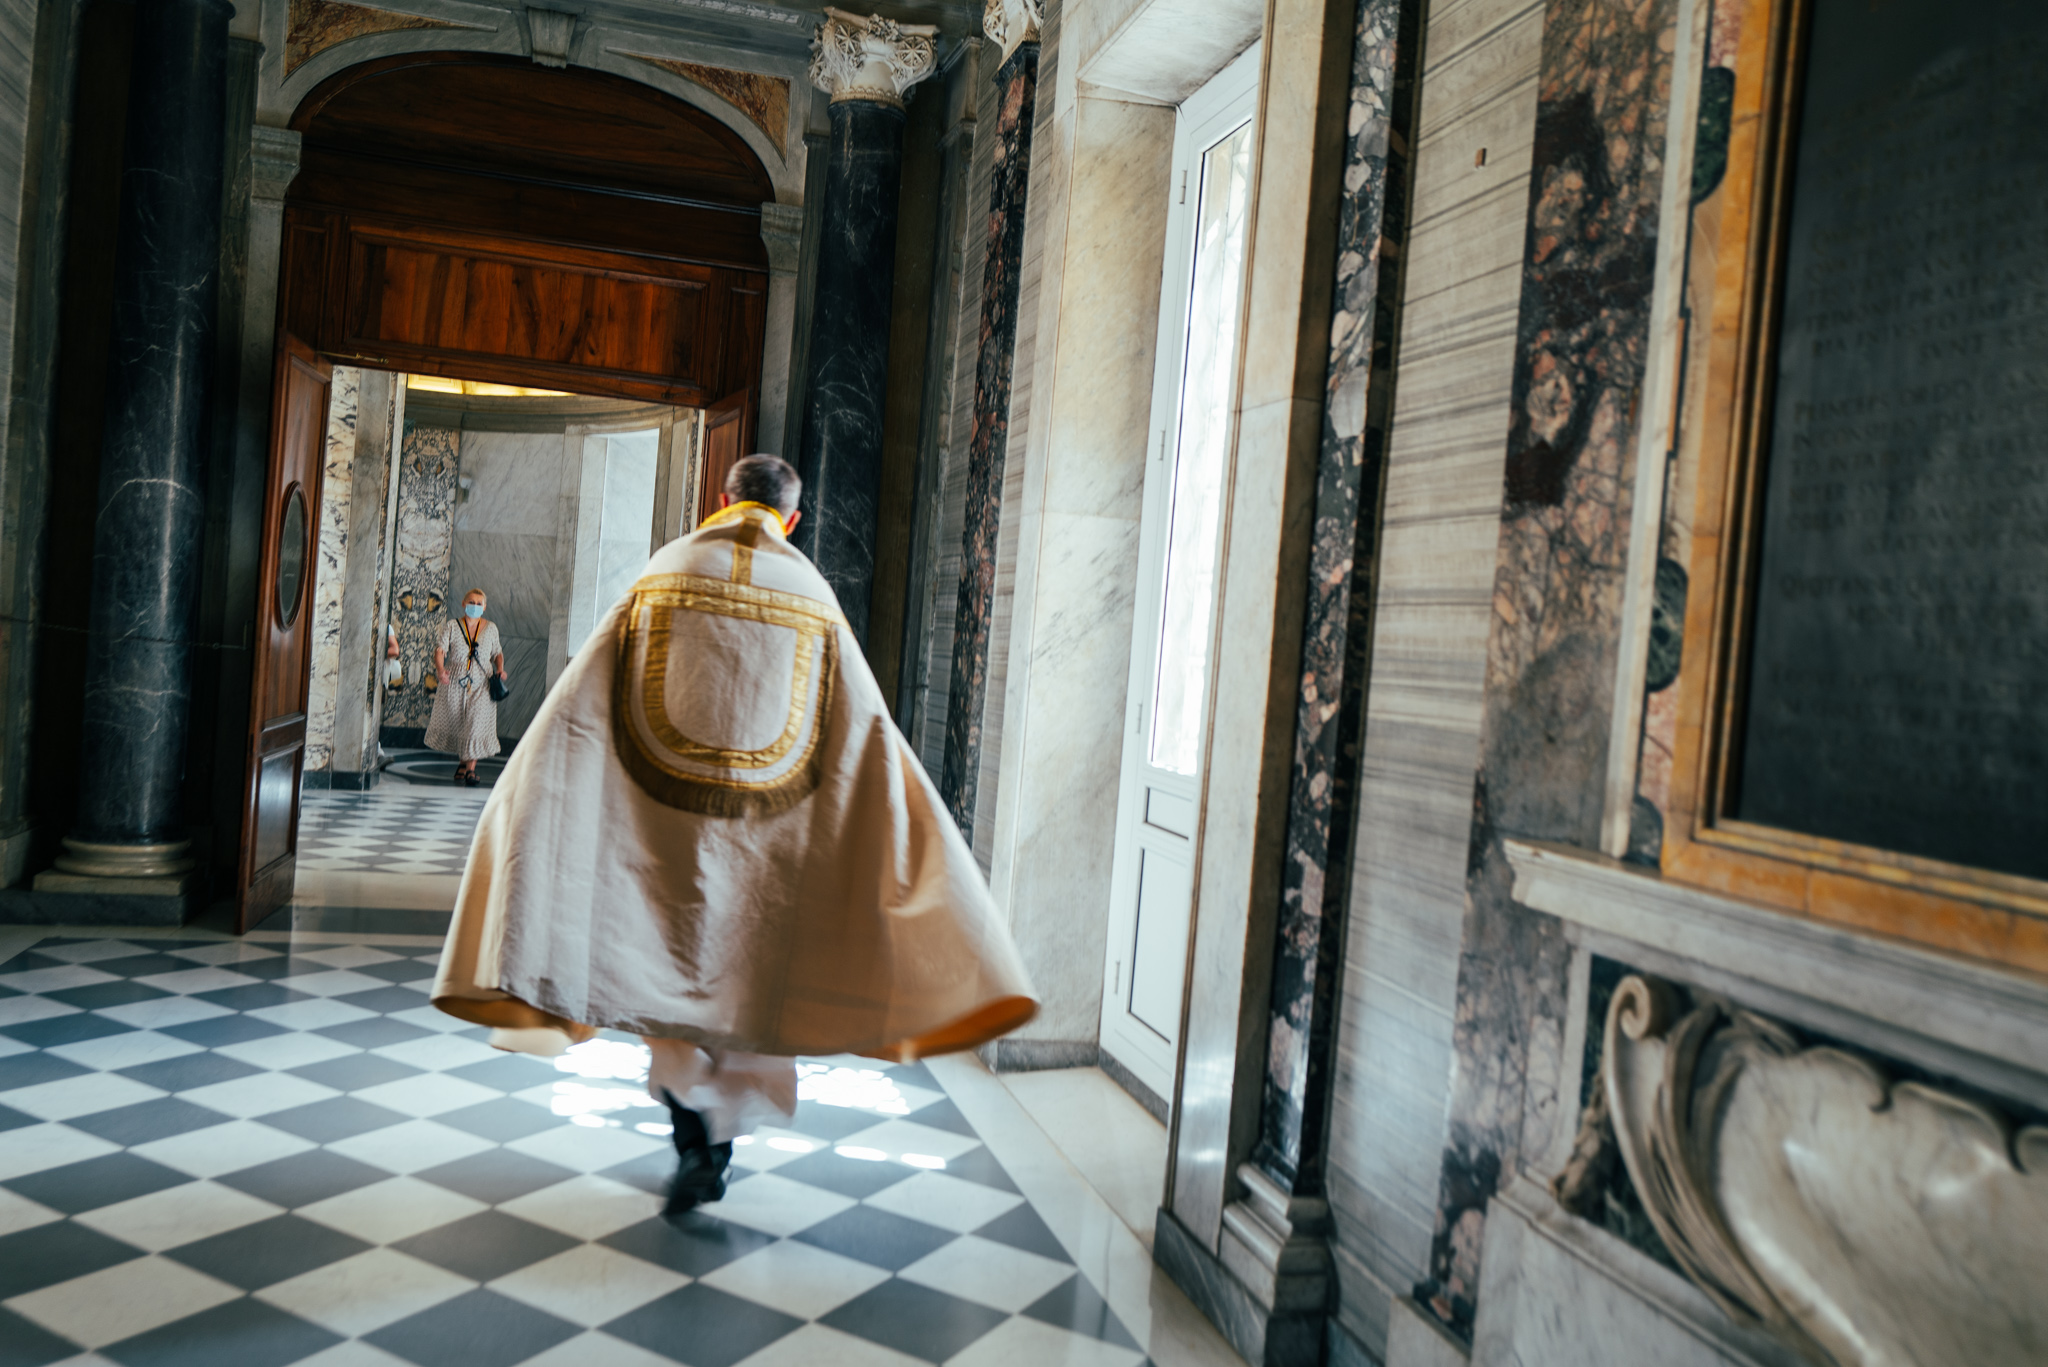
(14, 855)
(1559, 1292)
(1341, 1348)
(1265, 1338)
(341, 780)
(33, 907)
(1154, 1104)
(1035, 1055)
(1416, 1338)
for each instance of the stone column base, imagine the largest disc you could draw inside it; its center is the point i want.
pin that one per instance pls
(1268, 1288)
(62, 899)
(120, 885)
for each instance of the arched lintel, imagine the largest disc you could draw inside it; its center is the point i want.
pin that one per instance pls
(281, 100)
(785, 168)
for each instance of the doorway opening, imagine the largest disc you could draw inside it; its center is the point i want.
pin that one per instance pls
(476, 219)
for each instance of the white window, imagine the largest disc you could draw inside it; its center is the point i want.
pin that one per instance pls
(1200, 317)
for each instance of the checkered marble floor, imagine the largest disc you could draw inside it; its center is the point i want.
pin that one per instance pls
(390, 829)
(248, 1155)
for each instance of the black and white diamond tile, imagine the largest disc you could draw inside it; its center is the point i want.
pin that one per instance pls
(232, 1153)
(389, 830)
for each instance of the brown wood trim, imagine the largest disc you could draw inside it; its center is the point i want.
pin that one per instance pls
(1985, 915)
(281, 733)
(518, 251)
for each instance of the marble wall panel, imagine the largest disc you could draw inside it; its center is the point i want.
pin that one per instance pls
(428, 463)
(1077, 563)
(1372, 230)
(359, 694)
(1439, 533)
(504, 541)
(330, 565)
(1587, 277)
(313, 26)
(988, 445)
(625, 538)
(950, 535)
(763, 99)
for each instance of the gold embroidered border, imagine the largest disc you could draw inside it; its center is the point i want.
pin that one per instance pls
(708, 795)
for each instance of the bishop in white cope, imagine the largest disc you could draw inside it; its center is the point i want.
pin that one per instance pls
(713, 836)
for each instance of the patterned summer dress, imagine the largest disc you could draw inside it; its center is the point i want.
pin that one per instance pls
(465, 720)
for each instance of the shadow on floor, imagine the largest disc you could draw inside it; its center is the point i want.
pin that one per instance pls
(357, 920)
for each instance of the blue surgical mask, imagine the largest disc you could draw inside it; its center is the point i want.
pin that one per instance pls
(472, 610)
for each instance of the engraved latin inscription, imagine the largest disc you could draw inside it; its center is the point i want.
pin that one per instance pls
(1897, 693)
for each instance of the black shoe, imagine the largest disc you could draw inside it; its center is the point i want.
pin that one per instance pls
(701, 1164)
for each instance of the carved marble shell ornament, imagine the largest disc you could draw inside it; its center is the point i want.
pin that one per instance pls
(1869, 1223)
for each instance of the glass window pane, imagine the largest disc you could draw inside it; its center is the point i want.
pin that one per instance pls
(1196, 510)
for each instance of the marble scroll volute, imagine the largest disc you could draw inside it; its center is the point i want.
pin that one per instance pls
(1867, 1222)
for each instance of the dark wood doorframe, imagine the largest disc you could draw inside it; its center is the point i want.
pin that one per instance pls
(283, 637)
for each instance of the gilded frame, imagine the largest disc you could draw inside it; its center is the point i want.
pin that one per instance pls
(1991, 916)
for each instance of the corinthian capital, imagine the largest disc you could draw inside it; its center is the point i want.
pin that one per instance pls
(870, 59)
(1011, 23)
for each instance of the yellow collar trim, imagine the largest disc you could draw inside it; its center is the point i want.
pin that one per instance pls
(735, 511)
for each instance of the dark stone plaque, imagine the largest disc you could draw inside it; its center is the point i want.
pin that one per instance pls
(1897, 693)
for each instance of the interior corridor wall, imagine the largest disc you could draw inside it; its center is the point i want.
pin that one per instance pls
(503, 541)
(419, 572)
(1441, 531)
(36, 42)
(1070, 525)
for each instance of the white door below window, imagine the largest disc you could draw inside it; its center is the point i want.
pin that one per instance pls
(1159, 796)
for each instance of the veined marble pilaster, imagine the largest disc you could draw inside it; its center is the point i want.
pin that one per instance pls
(138, 675)
(988, 444)
(1588, 276)
(1337, 625)
(331, 566)
(867, 66)
(419, 571)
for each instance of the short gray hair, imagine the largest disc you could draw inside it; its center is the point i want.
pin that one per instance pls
(764, 479)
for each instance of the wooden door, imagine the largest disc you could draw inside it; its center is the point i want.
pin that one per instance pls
(728, 435)
(283, 638)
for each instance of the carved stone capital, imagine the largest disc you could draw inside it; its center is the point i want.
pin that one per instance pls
(273, 161)
(782, 230)
(873, 59)
(1012, 23)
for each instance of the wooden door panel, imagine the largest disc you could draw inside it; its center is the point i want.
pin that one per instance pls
(283, 639)
(455, 303)
(728, 435)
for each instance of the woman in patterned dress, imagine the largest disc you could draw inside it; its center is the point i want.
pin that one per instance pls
(465, 720)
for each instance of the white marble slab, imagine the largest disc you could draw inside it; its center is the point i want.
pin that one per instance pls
(330, 565)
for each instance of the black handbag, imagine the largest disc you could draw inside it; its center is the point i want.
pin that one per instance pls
(501, 688)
